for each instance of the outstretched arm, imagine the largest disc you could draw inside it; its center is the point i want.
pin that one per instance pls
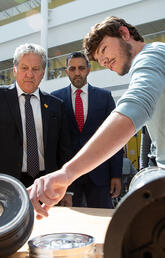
(111, 136)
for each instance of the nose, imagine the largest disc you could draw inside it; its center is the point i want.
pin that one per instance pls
(30, 73)
(77, 71)
(103, 61)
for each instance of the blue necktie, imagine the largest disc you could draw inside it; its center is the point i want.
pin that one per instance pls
(32, 148)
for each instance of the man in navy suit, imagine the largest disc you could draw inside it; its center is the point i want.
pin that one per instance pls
(49, 115)
(104, 182)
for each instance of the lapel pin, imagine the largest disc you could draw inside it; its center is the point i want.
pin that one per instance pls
(45, 105)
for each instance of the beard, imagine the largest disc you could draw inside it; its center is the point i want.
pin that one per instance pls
(126, 51)
(78, 82)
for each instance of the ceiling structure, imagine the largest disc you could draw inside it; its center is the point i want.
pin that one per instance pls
(12, 7)
(9, 4)
(9, 8)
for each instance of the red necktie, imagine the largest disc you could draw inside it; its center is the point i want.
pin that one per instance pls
(79, 112)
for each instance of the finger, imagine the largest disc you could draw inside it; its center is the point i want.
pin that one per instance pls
(116, 192)
(112, 189)
(55, 185)
(55, 195)
(39, 216)
(114, 195)
(35, 201)
(29, 188)
(42, 194)
(52, 188)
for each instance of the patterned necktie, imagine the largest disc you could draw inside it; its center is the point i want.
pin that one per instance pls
(79, 112)
(32, 148)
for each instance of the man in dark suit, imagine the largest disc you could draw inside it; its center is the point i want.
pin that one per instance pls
(104, 182)
(53, 143)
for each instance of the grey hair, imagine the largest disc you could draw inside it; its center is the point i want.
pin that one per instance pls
(29, 48)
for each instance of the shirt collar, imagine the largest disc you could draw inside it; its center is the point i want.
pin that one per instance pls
(84, 88)
(20, 91)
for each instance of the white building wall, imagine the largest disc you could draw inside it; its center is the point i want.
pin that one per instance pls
(102, 78)
(71, 22)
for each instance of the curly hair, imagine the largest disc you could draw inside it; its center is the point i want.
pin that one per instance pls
(109, 27)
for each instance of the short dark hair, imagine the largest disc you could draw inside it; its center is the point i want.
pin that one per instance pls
(110, 27)
(76, 55)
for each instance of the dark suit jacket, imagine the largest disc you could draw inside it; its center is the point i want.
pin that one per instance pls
(100, 105)
(55, 137)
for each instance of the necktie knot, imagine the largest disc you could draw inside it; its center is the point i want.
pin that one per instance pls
(27, 96)
(78, 92)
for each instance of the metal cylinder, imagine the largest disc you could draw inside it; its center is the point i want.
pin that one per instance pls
(62, 245)
(16, 215)
(137, 228)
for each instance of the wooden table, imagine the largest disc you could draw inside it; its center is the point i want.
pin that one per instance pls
(88, 221)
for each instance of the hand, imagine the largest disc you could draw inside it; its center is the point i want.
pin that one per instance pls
(48, 190)
(67, 200)
(115, 187)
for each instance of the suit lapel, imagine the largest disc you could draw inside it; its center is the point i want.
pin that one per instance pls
(91, 97)
(45, 114)
(13, 103)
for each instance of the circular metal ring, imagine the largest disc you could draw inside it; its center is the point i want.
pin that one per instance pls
(16, 215)
(137, 227)
(62, 245)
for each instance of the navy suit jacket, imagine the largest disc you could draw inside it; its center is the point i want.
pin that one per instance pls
(55, 137)
(100, 105)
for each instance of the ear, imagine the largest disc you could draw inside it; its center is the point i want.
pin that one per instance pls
(124, 32)
(66, 71)
(14, 70)
(89, 69)
(43, 73)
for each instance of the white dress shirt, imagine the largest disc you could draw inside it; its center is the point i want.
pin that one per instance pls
(84, 97)
(35, 102)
